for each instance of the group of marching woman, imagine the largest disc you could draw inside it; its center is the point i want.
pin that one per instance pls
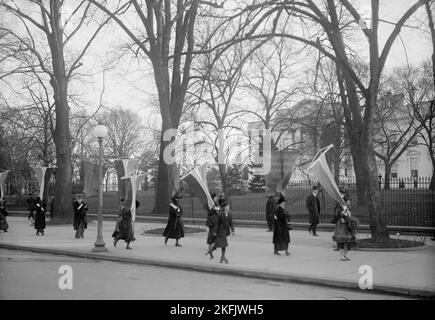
(219, 222)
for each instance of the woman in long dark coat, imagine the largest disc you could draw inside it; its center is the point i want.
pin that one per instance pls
(3, 213)
(80, 220)
(345, 230)
(40, 216)
(281, 234)
(125, 227)
(211, 221)
(174, 228)
(222, 229)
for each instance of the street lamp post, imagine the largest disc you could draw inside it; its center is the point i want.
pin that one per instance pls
(100, 132)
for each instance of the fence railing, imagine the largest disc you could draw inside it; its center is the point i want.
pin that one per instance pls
(404, 205)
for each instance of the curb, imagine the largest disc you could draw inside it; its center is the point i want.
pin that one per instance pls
(235, 271)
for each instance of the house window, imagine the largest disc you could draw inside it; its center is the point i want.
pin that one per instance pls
(285, 142)
(414, 166)
(394, 171)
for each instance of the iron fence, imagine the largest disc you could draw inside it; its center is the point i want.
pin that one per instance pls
(405, 203)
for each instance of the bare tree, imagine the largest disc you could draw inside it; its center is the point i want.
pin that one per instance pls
(268, 80)
(395, 127)
(323, 85)
(125, 132)
(429, 7)
(43, 22)
(214, 92)
(415, 82)
(359, 97)
(166, 36)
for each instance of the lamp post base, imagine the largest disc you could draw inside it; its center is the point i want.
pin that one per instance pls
(99, 246)
(99, 249)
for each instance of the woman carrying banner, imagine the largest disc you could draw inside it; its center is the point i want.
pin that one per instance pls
(211, 222)
(281, 235)
(40, 216)
(174, 228)
(32, 209)
(3, 213)
(125, 227)
(345, 230)
(338, 209)
(80, 221)
(224, 223)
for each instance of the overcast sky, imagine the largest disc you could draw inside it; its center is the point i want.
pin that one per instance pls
(130, 84)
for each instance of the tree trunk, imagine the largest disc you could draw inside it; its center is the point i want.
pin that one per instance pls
(63, 211)
(387, 174)
(336, 162)
(168, 174)
(224, 182)
(432, 180)
(368, 185)
(163, 186)
(358, 163)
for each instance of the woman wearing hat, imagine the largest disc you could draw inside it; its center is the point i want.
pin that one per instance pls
(281, 234)
(3, 213)
(40, 216)
(211, 222)
(80, 220)
(174, 228)
(125, 227)
(224, 223)
(345, 229)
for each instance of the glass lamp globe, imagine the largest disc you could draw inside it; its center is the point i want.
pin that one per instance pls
(100, 131)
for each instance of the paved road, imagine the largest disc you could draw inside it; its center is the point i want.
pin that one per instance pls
(25, 275)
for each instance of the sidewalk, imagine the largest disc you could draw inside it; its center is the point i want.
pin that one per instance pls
(250, 253)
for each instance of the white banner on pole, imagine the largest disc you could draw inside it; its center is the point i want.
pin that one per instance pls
(3, 176)
(320, 170)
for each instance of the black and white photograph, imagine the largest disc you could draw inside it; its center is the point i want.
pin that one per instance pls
(217, 156)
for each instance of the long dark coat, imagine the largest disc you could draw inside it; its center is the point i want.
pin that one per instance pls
(80, 214)
(270, 206)
(211, 222)
(343, 234)
(40, 215)
(281, 234)
(125, 226)
(31, 203)
(313, 206)
(222, 229)
(3, 222)
(174, 228)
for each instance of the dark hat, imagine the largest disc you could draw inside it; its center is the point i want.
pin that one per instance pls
(213, 195)
(177, 196)
(223, 203)
(281, 199)
(221, 200)
(137, 204)
(314, 187)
